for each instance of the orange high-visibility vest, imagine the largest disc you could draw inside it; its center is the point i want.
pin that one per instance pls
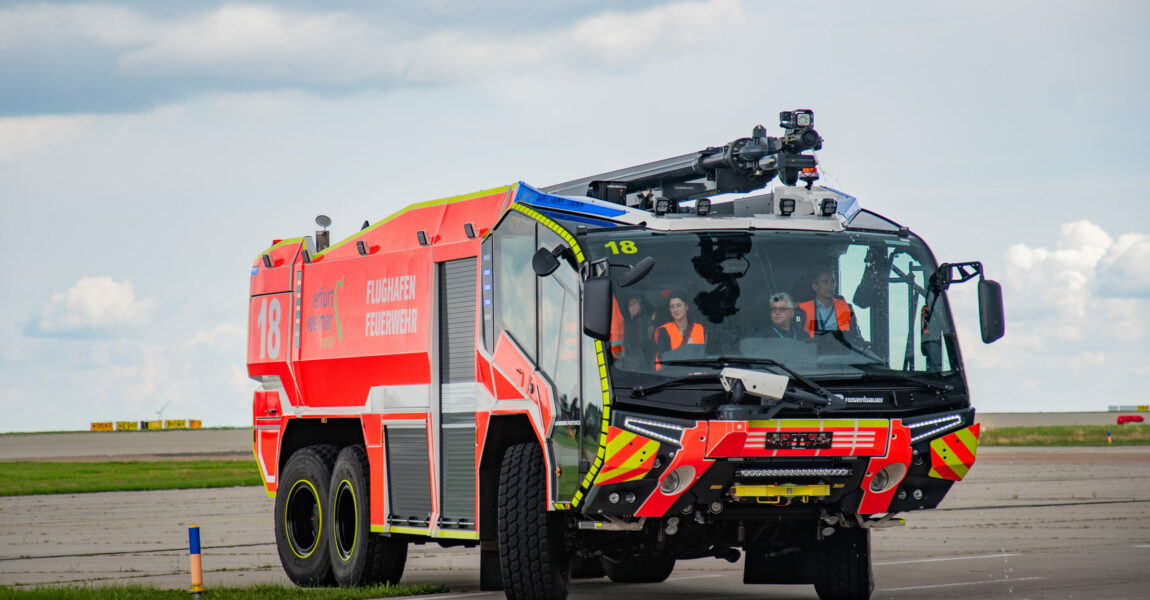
(842, 313)
(616, 341)
(697, 336)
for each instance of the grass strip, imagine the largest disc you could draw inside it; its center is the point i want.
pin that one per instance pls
(34, 477)
(1066, 435)
(255, 592)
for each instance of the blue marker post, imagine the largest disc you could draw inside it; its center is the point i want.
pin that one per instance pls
(197, 568)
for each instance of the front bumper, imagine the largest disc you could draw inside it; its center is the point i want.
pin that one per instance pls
(657, 467)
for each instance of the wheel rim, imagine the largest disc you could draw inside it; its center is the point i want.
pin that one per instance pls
(303, 518)
(346, 514)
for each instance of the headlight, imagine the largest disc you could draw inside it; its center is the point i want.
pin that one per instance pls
(890, 476)
(677, 480)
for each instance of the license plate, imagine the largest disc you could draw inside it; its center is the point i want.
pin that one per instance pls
(798, 440)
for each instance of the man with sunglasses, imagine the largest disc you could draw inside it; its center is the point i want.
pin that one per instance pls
(783, 321)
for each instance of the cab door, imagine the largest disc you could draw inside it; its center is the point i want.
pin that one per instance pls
(558, 361)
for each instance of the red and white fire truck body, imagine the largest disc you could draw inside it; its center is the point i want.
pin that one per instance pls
(463, 372)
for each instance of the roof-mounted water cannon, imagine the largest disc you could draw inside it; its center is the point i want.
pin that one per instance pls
(743, 165)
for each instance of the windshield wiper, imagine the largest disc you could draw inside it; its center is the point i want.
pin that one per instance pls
(940, 388)
(723, 361)
(641, 392)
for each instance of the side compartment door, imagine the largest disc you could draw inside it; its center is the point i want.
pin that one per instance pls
(457, 393)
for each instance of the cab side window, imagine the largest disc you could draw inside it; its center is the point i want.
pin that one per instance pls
(514, 280)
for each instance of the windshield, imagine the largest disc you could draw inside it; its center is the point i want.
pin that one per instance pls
(834, 305)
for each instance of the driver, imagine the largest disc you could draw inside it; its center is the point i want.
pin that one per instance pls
(679, 330)
(827, 312)
(782, 318)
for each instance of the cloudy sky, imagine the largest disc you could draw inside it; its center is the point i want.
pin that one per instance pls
(149, 150)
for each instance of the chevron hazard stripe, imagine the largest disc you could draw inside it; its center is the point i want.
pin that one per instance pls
(952, 455)
(629, 457)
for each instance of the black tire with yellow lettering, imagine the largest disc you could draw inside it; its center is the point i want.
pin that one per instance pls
(302, 516)
(532, 555)
(359, 557)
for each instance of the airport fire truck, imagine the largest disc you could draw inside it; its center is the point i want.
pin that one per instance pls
(608, 375)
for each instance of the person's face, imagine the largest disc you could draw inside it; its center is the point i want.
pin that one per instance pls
(824, 286)
(678, 309)
(633, 307)
(782, 314)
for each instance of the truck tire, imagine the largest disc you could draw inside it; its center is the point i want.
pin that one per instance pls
(301, 516)
(359, 557)
(532, 556)
(640, 569)
(844, 569)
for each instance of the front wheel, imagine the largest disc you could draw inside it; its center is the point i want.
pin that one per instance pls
(844, 571)
(532, 556)
(359, 557)
(302, 517)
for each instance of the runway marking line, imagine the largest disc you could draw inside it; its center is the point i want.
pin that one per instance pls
(1142, 546)
(942, 585)
(697, 577)
(943, 559)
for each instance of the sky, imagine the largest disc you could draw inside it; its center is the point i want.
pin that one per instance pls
(148, 152)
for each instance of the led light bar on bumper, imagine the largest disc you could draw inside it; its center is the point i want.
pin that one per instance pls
(811, 472)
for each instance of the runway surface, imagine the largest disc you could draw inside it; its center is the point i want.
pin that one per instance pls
(1027, 523)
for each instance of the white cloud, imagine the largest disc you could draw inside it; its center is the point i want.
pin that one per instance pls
(620, 38)
(224, 334)
(95, 306)
(114, 59)
(18, 135)
(1075, 314)
(1125, 269)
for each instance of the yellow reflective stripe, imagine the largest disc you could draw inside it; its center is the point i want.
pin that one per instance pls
(295, 240)
(968, 439)
(620, 440)
(379, 529)
(633, 462)
(411, 530)
(418, 206)
(553, 226)
(456, 535)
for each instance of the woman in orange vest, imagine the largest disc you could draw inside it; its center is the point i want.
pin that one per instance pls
(678, 331)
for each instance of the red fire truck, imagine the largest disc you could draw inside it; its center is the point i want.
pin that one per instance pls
(605, 376)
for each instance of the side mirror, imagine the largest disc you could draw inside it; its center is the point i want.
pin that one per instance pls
(991, 317)
(544, 262)
(637, 272)
(597, 308)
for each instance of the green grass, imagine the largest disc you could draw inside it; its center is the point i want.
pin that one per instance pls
(256, 592)
(33, 477)
(1066, 435)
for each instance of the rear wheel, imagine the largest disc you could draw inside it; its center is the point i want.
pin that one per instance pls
(640, 569)
(532, 556)
(844, 571)
(359, 557)
(302, 517)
